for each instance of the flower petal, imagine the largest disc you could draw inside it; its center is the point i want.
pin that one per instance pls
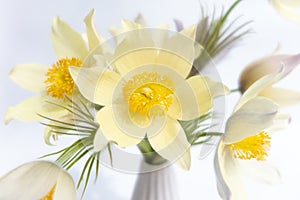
(127, 26)
(189, 32)
(131, 59)
(97, 84)
(32, 180)
(267, 65)
(223, 188)
(229, 181)
(281, 121)
(171, 143)
(181, 51)
(100, 141)
(65, 187)
(110, 129)
(282, 96)
(51, 132)
(259, 86)
(288, 9)
(30, 109)
(203, 91)
(261, 171)
(252, 118)
(174, 58)
(30, 76)
(177, 52)
(66, 41)
(93, 38)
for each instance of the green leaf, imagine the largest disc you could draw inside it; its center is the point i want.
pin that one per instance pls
(215, 35)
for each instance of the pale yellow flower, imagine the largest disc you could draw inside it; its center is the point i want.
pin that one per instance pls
(270, 64)
(52, 84)
(146, 90)
(243, 149)
(37, 180)
(290, 9)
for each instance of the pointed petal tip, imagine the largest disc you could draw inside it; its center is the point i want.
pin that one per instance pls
(7, 116)
(185, 161)
(89, 16)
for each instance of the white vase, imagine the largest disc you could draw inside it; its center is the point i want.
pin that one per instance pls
(155, 183)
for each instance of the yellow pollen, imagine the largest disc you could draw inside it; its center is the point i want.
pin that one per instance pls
(49, 195)
(255, 146)
(59, 81)
(147, 90)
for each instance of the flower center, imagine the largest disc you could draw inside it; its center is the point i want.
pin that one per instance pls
(145, 91)
(49, 195)
(59, 81)
(255, 146)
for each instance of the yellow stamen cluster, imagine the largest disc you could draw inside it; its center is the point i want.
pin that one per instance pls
(147, 90)
(59, 81)
(255, 146)
(49, 195)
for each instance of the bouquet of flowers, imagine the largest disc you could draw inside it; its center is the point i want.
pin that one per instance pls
(140, 100)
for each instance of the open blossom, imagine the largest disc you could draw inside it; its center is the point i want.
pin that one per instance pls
(243, 149)
(52, 84)
(37, 180)
(290, 9)
(146, 90)
(267, 65)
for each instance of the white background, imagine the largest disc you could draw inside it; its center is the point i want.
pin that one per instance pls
(25, 38)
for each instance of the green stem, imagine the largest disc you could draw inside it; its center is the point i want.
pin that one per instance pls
(150, 155)
(234, 90)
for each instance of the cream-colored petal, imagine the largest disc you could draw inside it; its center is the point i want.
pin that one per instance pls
(66, 41)
(133, 123)
(281, 121)
(203, 98)
(65, 187)
(223, 188)
(127, 26)
(197, 103)
(290, 3)
(216, 88)
(229, 181)
(130, 25)
(31, 77)
(282, 96)
(189, 32)
(288, 9)
(94, 38)
(51, 133)
(96, 84)
(252, 118)
(180, 51)
(174, 58)
(267, 65)
(100, 141)
(261, 171)
(29, 109)
(129, 60)
(171, 143)
(259, 86)
(110, 129)
(30, 181)
(177, 52)
(48, 134)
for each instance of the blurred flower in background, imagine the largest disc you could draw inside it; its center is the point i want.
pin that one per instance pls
(268, 65)
(290, 9)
